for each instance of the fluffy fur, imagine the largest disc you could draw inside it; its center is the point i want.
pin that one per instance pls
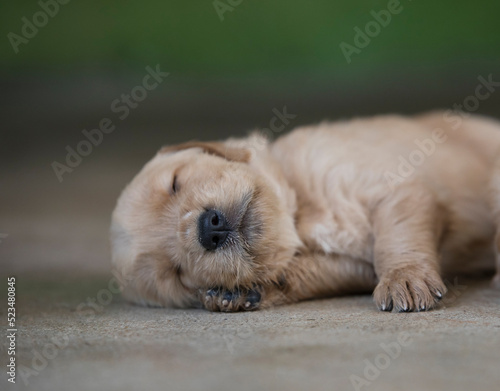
(383, 205)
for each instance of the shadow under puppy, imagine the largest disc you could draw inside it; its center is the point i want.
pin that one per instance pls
(383, 205)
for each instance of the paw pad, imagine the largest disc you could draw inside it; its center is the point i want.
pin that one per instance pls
(409, 290)
(219, 299)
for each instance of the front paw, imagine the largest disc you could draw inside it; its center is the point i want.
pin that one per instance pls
(409, 289)
(219, 299)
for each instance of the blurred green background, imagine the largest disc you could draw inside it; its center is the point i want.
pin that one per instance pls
(256, 37)
(226, 78)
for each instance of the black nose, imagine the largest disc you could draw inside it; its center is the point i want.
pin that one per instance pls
(213, 229)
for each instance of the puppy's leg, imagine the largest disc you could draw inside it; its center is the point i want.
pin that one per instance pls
(407, 227)
(307, 276)
(315, 275)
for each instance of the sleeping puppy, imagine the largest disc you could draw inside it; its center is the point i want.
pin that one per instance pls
(383, 205)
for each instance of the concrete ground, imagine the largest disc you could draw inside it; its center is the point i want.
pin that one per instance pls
(74, 334)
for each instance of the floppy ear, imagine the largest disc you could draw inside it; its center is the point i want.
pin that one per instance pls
(223, 150)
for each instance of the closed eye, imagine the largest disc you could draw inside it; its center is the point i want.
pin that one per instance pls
(175, 186)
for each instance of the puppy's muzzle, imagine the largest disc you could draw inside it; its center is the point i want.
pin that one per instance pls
(213, 229)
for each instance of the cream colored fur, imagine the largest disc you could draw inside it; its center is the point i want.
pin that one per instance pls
(385, 204)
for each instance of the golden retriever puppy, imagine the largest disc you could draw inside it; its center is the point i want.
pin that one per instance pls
(383, 205)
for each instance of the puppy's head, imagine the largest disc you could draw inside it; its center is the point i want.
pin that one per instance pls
(199, 216)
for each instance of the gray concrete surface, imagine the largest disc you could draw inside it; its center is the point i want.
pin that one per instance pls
(65, 343)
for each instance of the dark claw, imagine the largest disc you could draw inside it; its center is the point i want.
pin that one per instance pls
(253, 296)
(405, 310)
(230, 301)
(229, 296)
(252, 299)
(213, 292)
(388, 308)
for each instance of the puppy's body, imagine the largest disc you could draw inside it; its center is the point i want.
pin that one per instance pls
(386, 202)
(344, 173)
